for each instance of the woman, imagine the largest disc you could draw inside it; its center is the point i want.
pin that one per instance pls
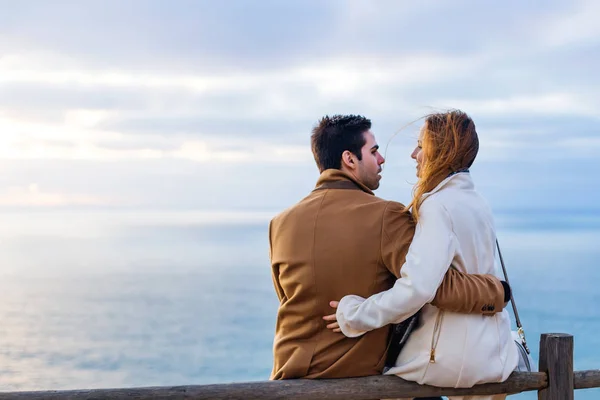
(454, 226)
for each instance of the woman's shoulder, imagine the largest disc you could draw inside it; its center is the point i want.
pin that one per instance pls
(458, 205)
(458, 189)
(439, 200)
(435, 209)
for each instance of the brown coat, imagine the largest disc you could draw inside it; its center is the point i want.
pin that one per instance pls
(340, 241)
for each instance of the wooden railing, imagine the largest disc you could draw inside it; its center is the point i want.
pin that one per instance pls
(555, 381)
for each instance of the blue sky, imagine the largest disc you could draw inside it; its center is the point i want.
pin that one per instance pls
(208, 105)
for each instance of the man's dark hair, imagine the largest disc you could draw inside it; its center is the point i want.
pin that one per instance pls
(334, 135)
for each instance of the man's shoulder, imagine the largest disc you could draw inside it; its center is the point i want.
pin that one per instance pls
(282, 214)
(392, 205)
(289, 211)
(394, 209)
(360, 197)
(374, 205)
(396, 216)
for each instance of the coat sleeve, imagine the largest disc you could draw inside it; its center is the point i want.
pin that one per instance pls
(459, 292)
(427, 261)
(274, 267)
(470, 293)
(397, 231)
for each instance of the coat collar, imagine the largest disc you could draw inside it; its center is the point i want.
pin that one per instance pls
(336, 175)
(460, 180)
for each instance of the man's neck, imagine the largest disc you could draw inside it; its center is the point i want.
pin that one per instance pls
(350, 173)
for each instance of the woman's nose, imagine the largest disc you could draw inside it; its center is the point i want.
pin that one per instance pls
(414, 154)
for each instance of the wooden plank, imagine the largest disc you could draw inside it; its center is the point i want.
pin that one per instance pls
(373, 387)
(556, 359)
(587, 379)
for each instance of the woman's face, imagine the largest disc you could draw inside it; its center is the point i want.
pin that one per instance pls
(418, 154)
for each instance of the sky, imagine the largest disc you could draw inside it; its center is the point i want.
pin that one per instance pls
(208, 105)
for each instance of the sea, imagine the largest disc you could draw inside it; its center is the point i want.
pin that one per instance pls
(130, 298)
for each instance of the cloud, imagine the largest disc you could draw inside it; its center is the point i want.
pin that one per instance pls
(241, 35)
(578, 26)
(74, 140)
(33, 196)
(167, 183)
(283, 104)
(176, 100)
(337, 76)
(582, 147)
(549, 103)
(176, 35)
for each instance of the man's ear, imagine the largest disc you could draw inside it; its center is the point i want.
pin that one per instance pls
(349, 160)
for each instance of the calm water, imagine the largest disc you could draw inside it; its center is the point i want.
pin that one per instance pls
(118, 299)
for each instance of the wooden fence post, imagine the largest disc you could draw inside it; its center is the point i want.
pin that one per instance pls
(556, 359)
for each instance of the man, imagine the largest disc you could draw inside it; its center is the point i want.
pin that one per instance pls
(341, 239)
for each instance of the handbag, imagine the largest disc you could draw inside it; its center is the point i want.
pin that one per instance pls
(526, 363)
(398, 337)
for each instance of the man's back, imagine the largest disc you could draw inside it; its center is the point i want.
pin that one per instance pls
(329, 245)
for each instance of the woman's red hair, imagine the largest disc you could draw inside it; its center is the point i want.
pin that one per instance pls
(450, 144)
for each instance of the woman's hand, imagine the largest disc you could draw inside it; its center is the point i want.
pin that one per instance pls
(334, 325)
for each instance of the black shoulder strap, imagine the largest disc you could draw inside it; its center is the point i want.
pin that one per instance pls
(520, 330)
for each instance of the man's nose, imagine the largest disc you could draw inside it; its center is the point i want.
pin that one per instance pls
(381, 159)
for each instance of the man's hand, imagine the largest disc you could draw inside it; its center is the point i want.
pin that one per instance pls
(334, 325)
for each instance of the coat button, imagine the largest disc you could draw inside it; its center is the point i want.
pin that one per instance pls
(488, 308)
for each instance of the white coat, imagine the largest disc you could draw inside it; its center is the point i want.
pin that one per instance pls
(448, 349)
